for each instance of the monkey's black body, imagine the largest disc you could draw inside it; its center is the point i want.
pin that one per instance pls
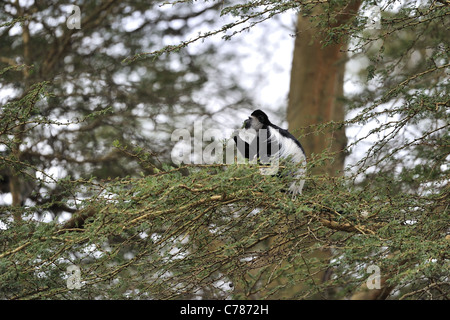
(270, 144)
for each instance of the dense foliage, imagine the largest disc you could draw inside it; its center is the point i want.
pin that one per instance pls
(136, 226)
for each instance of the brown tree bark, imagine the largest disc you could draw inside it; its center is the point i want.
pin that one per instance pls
(316, 88)
(15, 181)
(315, 97)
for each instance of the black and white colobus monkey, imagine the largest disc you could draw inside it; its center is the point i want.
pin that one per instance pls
(271, 143)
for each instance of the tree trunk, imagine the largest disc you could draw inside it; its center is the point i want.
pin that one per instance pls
(316, 89)
(315, 97)
(16, 181)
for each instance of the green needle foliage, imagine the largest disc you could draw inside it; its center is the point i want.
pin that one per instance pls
(135, 226)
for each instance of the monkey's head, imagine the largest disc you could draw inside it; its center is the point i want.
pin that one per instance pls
(257, 120)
